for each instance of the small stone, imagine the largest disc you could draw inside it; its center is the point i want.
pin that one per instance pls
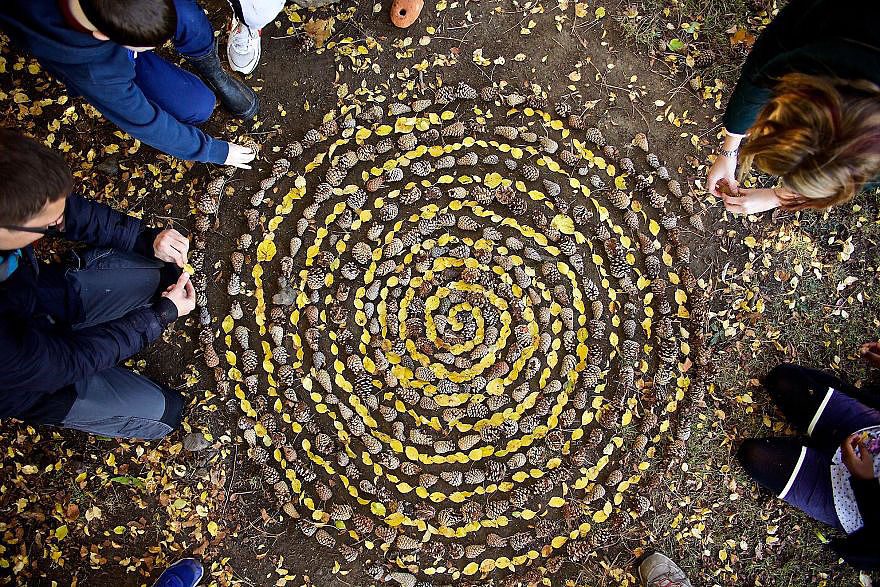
(195, 442)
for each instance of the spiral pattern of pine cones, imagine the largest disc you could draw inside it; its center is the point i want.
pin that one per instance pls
(437, 361)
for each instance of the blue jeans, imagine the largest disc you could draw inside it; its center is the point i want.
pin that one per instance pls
(98, 286)
(176, 91)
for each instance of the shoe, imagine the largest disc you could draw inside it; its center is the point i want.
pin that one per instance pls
(234, 95)
(187, 572)
(659, 571)
(243, 47)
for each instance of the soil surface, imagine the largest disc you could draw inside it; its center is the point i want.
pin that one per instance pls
(93, 511)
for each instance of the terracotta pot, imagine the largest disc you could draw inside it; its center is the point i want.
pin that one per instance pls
(405, 12)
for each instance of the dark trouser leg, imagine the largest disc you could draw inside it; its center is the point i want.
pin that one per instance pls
(180, 93)
(194, 36)
(111, 283)
(119, 403)
(99, 285)
(194, 39)
(796, 473)
(176, 91)
(819, 405)
(107, 284)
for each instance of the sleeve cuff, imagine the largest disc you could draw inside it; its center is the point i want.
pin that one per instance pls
(732, 134)
(217, 151)
(864, 484)
(166, 311)
(143, 244)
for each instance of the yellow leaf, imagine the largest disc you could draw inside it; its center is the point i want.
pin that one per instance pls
(492, 180)
(395, 519)
(61, 532)
(266, 250)
(563, 223)
(212, 528)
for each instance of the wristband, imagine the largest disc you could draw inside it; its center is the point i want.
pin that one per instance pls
(730, 154)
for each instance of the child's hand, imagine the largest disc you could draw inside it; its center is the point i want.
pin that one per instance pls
(861, 465)
(240, 156)
(870, 352)
(171, 246)
(723, 172)
(182, 294)
(749, 201)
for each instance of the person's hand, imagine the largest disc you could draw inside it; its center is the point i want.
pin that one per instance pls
(171, 246)
(239, 156)
(723, 168)
(751, 201)
(182, 294)
(861, 465)
(870, 352)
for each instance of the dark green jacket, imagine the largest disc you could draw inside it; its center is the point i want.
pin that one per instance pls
(838, 38)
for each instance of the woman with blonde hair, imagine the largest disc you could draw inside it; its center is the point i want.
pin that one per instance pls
(808, 102)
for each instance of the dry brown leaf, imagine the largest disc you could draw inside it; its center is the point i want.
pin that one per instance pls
(319, 30)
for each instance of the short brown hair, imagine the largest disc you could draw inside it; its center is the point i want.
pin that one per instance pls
(136, 23)
(31, 175)
(821, 135)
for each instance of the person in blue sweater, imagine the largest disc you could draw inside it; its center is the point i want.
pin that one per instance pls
(65, 326)
(100, 49)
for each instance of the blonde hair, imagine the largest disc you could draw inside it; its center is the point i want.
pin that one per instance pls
(821, 135)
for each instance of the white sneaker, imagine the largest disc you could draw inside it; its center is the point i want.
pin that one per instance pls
(243, 47)
(658, 570)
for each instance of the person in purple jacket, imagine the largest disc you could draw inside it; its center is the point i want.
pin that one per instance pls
(65, 326)
(100, 49)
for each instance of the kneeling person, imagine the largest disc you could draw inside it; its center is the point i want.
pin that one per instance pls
(64, 327)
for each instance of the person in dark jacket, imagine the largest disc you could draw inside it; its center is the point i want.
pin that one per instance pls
(64, 327)
(833, 476)
(808, 99)
(100, 49)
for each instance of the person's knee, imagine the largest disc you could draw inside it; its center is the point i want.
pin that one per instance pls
(780, 379)
(202, 103)
(174, 406)
(748, 455)
(189, 15)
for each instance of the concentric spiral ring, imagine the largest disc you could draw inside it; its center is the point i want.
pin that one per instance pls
(473, 361)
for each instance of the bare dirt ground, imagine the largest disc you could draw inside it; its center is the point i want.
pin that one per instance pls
(785, 286)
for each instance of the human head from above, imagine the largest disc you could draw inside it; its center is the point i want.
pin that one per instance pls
(34, 185)
(139, 25)
(820, 135)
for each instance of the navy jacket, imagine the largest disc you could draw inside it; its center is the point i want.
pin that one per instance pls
(38, 362)
(103, 73)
